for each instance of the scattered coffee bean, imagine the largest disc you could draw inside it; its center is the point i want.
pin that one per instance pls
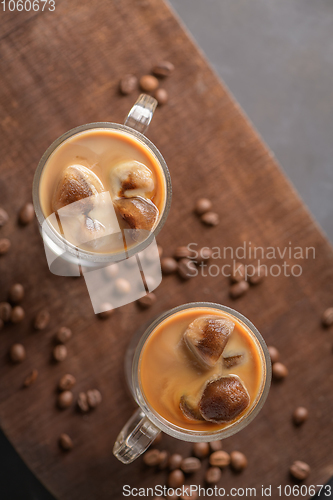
(3, 217)
(186, 269)
(26, 214)
(279, 371)
(82, 402)
(164, 460)
(63, 335)
(239, 289)
(5, 311)
(238, 461)
(219, 459)
(66, 382)
(174, 461)
(257, 276)
(204, 254)
(94, 398)
(31, 378)
(152, 457)
(327, 318)
(183, 253)
(215, 445)
(16, 293)
(59, 353)
(42, 319)
(148, 83)
(176, 479)
(300, 470)
(210, 219)
(128, 84)
(202, 206)
(122, 286)
(189, 494)
(17, 315)
(274, 354)
(201, 450)
(109, 310)
(4, 245)
(238, 272)
(161, 96)
(147, 300)
(168, 265)
(65, 442)
(190, 465)
(17, 353)
(213, 475)
(1, 324)
(300, 415)
(65, 399)
(163, 68)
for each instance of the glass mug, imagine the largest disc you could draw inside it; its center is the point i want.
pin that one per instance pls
(143, 427)
(58, 250)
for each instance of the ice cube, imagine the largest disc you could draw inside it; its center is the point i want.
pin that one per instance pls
(76, 183)
(189, 407)
(230, 360)
(131, 179)
(206, 337)
(223, 399)
(137, 212)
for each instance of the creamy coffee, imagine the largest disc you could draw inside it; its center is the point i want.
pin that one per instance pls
(201, 369)
(98, 183)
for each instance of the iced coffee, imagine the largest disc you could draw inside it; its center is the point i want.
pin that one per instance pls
(202, 369)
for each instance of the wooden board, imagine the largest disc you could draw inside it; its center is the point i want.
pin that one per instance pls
(61, 69)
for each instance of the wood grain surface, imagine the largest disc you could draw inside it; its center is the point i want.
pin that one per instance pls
(61, 69)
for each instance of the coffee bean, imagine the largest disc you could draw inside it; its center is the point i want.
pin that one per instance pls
(190, 465)
(213, 475)
(210, 219)
(176, 479)
(63, 335)
(237, 272)
(31, 378)
(161, 96)
(17, 353)
(279, 371)
(109, 310)
(238, 461)
(42, 319)
(128, 84)
(182, 253)
(189, 494)
(174, 461)
(4, 245)
(82, 402)
(59, 353)
(327, 318)
(65, 399)
(66, 382)
(164, 460)
(219, 459)
(147, 300)
(16, 293)
(238, 289)
(5, 311)
(204, 254)
(94, 398)
(168, 265)
(163, 69)
(151, 457)
(300, 470)
(300, 415)
(186, 269)
(65, 442)
(215, 445)
(149, 83)
(257, 276)
(17, 314)
(202, 206)
(274, 353)
(3, 217)
(122, 286)
(26, 214)
(201, 450)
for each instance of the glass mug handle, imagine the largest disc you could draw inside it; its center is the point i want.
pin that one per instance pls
(141, 114)
(135, 437)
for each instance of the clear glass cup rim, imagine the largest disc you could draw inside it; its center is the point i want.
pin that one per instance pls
(187, 434)
(58, 239)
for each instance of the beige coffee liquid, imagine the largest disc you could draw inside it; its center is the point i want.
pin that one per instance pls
(99, 150)
(167, 371)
